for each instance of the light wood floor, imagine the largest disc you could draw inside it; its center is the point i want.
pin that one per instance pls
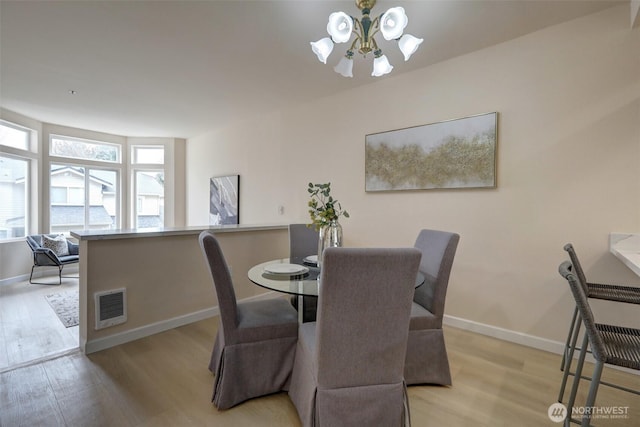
(29, 328)
(163, 380)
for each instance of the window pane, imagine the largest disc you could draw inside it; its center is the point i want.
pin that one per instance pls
(76, 196)
(14, 137)
(150, 196)
(102, 195)
(70, 187)
(59, 195)
(67, 198)
(13, 193)
(149, 155)
(81, 149)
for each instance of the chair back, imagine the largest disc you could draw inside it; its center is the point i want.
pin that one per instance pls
(364, 306)
(582, 303)
(34, 241)
(438, 249)
(303, 241)
(577, 267)
(222, 284)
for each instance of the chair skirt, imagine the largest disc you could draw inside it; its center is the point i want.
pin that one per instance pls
(375, 405)
(248, 370)
(426, 361)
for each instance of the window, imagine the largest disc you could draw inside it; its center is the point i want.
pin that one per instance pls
(149, 193)
(16, 161)
(75, 148)
(14, 136)
(83, 184)
(147, 154)
(71, 187)
(148, 186)
(14, 184)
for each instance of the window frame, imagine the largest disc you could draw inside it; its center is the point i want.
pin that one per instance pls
(135, 168)
(30, 156)
(119, 148)
(138, 199)
(88, 165)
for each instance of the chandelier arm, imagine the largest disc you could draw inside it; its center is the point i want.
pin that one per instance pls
(357, 31)
(357, 28)
(356, 24)
(374, 43)
(353, 45)
(375, 26)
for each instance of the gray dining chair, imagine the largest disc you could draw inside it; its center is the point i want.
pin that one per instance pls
(303, 241)
(609, 292)
(427, 361)
(255, 345)
(348, 369)
(609, 345)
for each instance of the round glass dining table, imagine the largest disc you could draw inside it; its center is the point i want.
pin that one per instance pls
(280, 275)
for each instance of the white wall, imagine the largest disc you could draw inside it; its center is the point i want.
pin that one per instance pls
(568, 99)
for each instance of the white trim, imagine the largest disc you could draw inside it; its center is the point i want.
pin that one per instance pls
(164, 325)
(527, 340)
(44, 271)
(505, 334)
(15, 279)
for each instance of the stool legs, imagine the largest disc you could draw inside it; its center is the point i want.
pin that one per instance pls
(576, 383)
(569, 349)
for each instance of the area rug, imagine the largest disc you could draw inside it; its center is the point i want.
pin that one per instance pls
(65, 305)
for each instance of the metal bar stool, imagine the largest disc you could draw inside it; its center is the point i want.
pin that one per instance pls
(613, 345)
(617, 293)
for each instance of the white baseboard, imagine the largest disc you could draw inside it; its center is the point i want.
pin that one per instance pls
(505, 334)
(41, 272)
(527, 340)
(15, 279)
(144, 331)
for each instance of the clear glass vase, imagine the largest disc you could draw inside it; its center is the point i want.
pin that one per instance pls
(329, 236)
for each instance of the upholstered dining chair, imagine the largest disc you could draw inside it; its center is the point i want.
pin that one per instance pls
(255, 346)
(427, 361)
(609, 292)
(609, 344)
(348, 369)
(303, 241)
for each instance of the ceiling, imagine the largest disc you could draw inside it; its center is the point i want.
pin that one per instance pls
(182, 68)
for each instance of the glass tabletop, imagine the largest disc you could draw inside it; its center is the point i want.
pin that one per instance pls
(274, 276)
(305, 283)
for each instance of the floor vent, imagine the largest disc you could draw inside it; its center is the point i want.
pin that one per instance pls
(111, 308)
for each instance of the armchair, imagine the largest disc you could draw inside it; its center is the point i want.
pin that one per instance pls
(45, 257)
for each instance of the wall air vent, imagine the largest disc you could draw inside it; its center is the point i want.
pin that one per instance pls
(111, 308)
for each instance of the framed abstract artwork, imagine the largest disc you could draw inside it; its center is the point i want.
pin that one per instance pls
(224, 200)
(459, 153)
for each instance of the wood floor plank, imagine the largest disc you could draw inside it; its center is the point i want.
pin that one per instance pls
(26, 399)
(30, 329)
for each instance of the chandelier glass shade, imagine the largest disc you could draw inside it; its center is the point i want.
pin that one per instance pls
(342, 26)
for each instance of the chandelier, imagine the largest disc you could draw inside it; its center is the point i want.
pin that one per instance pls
(341, 25)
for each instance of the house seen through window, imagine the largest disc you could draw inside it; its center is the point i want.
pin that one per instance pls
(147, 162)
(84, 189)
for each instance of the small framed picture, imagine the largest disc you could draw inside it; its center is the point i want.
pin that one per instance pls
(224, 200)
